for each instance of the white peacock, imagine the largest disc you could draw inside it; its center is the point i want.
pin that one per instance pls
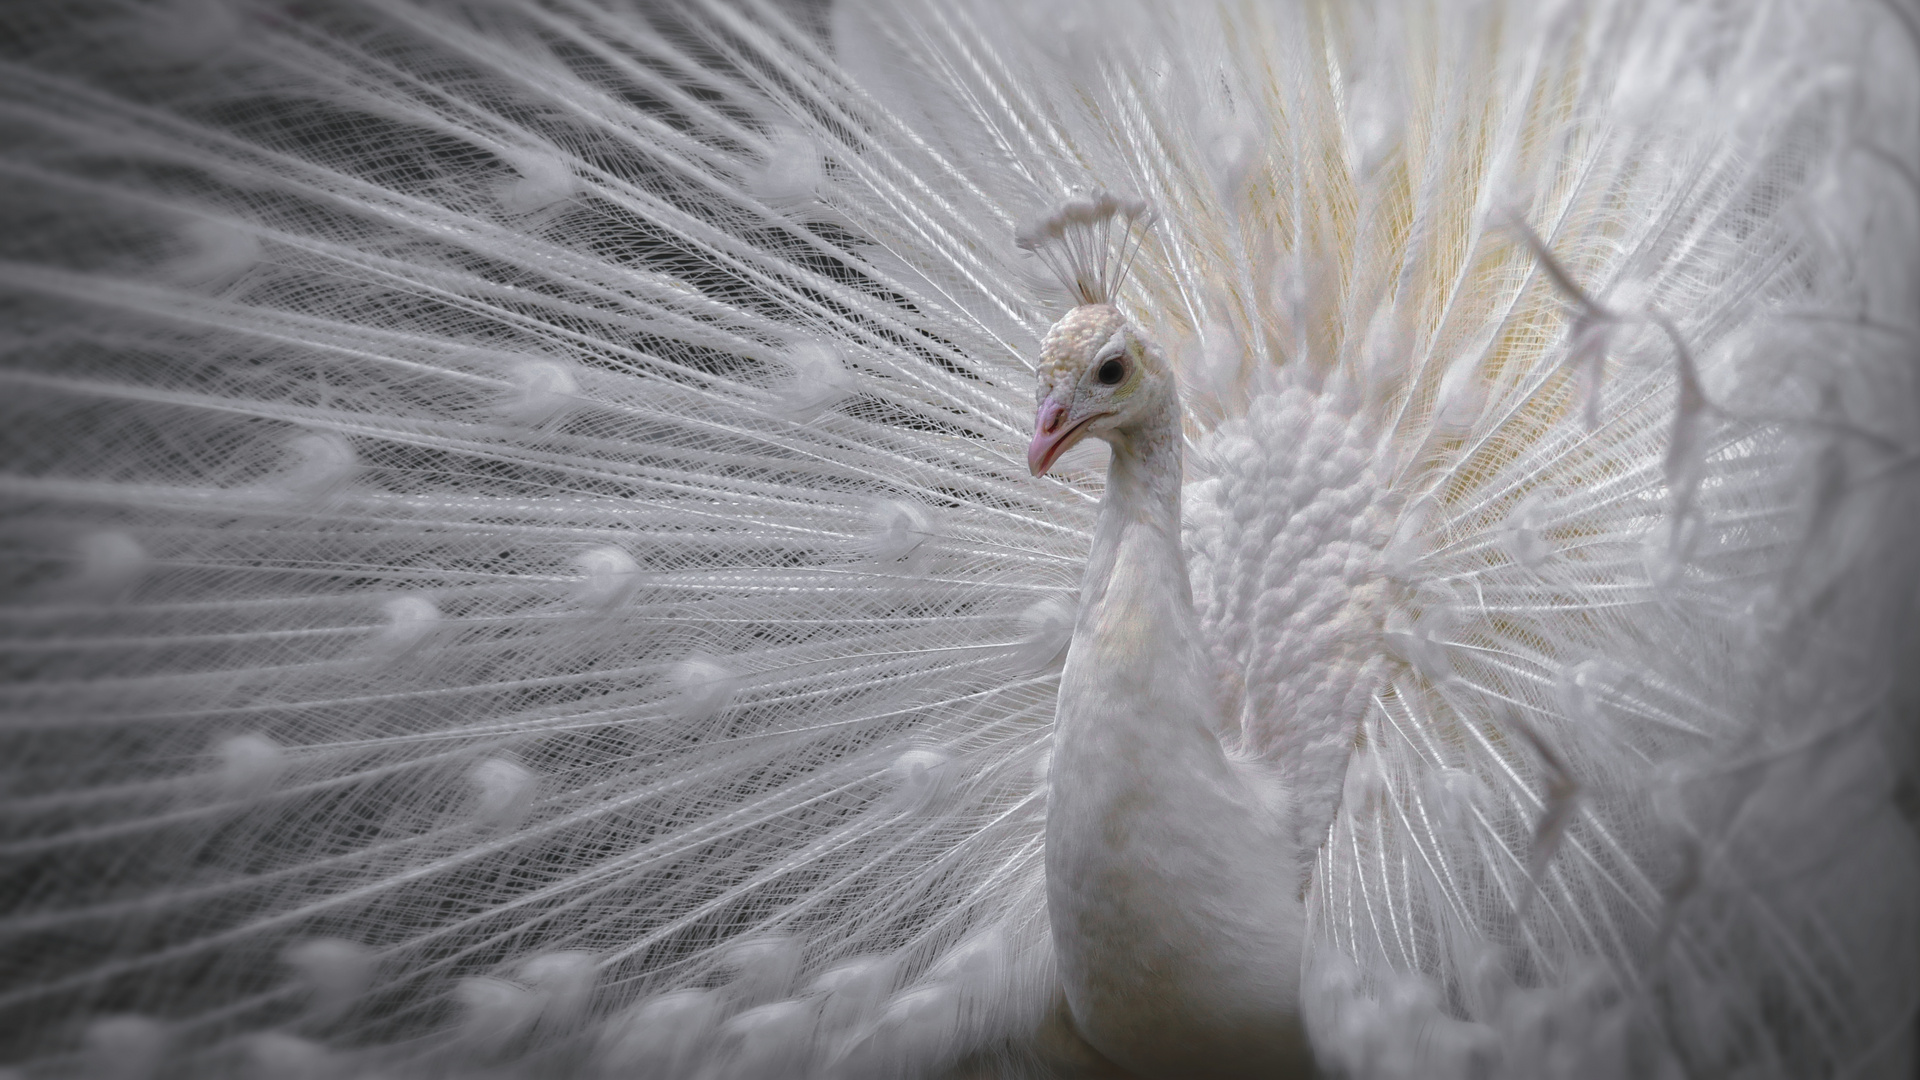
(520, 561)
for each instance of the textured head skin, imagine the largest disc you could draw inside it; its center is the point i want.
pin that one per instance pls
(1069, 342)
(1077, 393)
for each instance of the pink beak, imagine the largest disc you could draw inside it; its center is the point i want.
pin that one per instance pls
(1051, 435)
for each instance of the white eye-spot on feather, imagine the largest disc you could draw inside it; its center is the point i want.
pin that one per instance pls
(762, 969)
(789, 170)
(851, 991)
(897, 535)
(976, 966)
(1045, 631)
(541, 179)
(1331, 982)
(1421, 640)
(812, 377)
(1366, 779)
(250, 764)
(494, 1012)
(1233, 147)
(917, 1025)
(1769, 612)
(1375, 122)
(699, 688)
(503, 790)
(110, 564)
(566, 979)
(1521, 533)
(661, 1036)
(608, 575)
(1452, 795)
(410, 623)
(1484, 980)
(770, 1042)
(1215, 380)
(276, 1055)
(1667, 547)
(315, 464)
(212, 255)
(921, 779)
(335, 972)
(538, 390)
(1583, 688)
(124, 1047)
(1462, 397)
(1385, 348)
(1401, 558)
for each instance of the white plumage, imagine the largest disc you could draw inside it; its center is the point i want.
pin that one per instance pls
(520, 562)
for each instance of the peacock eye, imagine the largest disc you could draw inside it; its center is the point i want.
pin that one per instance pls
(1111, 372)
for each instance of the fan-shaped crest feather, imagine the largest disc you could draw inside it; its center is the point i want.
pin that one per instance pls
(519, 560)
(1077, 243)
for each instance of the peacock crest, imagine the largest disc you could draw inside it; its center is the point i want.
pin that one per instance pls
(1089, 242)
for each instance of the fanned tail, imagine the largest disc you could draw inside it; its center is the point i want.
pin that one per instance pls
(520, 558)
(494, 548)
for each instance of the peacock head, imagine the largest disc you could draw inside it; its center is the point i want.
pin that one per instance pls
(1099, 376)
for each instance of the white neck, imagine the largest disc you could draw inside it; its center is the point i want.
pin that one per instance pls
(1143, 500)
(1170, 891)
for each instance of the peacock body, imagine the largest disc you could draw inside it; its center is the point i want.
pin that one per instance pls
(520, 562)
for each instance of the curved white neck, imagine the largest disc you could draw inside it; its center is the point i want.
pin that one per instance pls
(1170, 888)
(1144, 477)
